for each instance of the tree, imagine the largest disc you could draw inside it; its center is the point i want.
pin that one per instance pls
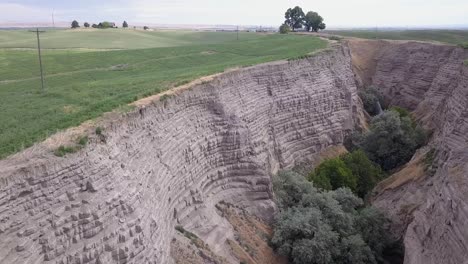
(294, 17)
(75, 24)
(125, 24)
(367, 173)
(95, 26)
(290, 189)
(284, 29)
(392, 140)
(373, 227)
(313, 21)
(86, 25)
(319, 227)
(333, 174)
(145, 28)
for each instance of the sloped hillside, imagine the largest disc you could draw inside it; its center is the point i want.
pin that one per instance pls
(428, 198)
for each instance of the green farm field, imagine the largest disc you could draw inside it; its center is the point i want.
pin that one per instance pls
(95, 39)
(446, 36)
(85, 78)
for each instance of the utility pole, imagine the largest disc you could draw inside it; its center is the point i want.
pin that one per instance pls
(53, 19)
(40, 57)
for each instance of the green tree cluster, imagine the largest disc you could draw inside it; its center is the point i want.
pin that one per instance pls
(105, 24)
(125, 24)
(313, 21)
(352, 170)
(86, 25)
(295, 18)
(318, 227)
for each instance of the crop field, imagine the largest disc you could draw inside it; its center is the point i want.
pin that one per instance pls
(91, 39)
(447, 36)
(84, 77)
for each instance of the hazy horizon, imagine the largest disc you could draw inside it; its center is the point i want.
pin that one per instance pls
(337, 13)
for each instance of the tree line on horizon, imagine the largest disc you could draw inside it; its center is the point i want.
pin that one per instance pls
(104, 24)
(295, 18)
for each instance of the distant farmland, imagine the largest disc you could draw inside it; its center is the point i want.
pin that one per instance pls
(114, 38)
(446, 36)
(84, 79)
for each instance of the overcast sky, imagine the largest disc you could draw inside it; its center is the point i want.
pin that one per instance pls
(348, 13)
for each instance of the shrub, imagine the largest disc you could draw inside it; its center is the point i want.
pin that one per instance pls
(372, 100)
(284, 29)
(464, 45)
(324, 227)
(336, 38)
(98, 131)
(164, 97)
(429, 165)
(82, 141)
(302, 57)
(64, 150)
(186, 233)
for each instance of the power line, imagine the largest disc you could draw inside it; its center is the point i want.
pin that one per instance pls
(40, 57)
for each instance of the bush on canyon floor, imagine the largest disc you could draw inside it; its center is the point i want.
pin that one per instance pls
(333, 174)
(320, 227)
(392, 139)
(353, 170)
(368, 173)
(372, 100)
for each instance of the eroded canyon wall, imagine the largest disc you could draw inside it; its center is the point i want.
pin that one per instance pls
(430, 208)
(172, 161)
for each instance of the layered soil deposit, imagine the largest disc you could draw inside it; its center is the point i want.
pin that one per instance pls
(158, 179)
(428, 198)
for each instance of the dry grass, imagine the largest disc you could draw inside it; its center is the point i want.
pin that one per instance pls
(193, 251)
(252, 236)
(413, 171)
